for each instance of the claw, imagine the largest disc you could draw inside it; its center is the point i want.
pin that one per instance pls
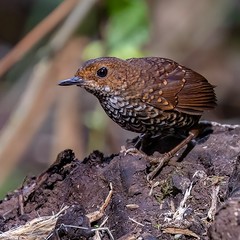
(132, 151)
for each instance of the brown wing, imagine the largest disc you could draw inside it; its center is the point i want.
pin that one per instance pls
(197, 95)
(169, 86)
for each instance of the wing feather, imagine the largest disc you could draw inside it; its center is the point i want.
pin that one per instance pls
(197, 95)
(170, 86)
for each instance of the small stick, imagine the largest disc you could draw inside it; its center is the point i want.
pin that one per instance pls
(98, 214)
(212, 210)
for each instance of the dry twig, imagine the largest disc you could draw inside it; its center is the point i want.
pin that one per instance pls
(33, 37)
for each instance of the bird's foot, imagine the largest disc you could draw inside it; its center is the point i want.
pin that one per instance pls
(160, 161)
(167, 156)
(132, 151)
(153, 160)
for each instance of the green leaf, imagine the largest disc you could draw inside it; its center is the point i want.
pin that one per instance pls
(128, 24)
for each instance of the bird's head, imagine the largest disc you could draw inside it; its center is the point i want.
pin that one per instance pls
(103, 75)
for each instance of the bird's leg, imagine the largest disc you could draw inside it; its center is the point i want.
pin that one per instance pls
(167, 156)
(136, 149)
(138, 144)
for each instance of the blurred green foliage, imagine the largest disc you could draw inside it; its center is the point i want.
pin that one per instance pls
(125, 32)
(127, 29)
(12, 182)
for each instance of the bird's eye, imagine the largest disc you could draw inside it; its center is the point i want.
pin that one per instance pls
(102, 72)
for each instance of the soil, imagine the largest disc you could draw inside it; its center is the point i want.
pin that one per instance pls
(196, 198)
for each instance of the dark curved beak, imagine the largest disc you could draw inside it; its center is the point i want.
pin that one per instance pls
(71, 81)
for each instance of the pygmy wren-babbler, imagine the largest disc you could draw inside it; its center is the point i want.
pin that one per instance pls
(151, 95)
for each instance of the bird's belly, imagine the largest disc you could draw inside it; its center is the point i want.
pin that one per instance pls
(142, 118)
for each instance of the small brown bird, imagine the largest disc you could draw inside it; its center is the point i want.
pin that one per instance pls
(152, 95)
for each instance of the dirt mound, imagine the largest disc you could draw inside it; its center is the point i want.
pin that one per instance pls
(197, 198)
